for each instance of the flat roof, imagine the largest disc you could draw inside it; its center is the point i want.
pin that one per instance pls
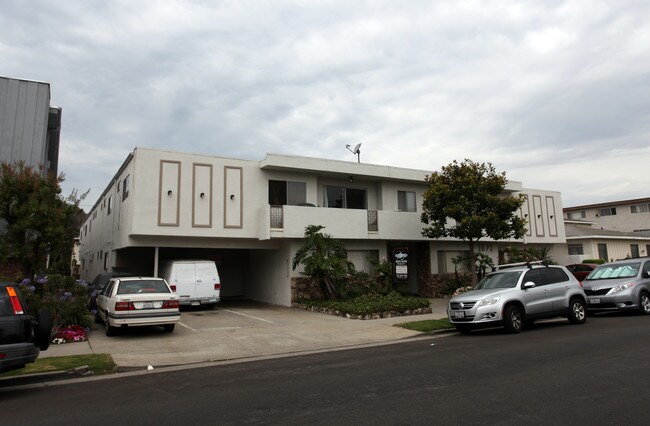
(608, 204)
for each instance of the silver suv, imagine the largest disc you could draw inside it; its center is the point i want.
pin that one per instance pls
(620, 285)
(517, 295)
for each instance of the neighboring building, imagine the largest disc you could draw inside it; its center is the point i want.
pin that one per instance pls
(74, 259)
(623, 216)
(29, 126)
(250, 217)
(584, 241)
(29, 132)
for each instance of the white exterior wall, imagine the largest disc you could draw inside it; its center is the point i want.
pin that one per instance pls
(624, 220)
(180, 200)
(160, 212)
(617, 248)
(542, 211)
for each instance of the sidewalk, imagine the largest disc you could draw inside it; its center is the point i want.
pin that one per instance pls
(241, 332)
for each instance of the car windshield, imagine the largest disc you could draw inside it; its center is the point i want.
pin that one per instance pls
(142, 286)
(499, 280)
(619, 270)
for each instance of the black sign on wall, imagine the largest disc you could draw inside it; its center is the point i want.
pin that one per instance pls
(401, 259)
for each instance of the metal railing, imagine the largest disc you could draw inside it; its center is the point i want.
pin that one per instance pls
(277, 219)
(373, 223)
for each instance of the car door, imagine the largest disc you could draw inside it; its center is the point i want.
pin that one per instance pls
(536, 299)
(185, 280)
(559, 286)
(645, 276)
(103, 299)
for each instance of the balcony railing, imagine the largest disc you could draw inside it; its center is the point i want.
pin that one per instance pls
(277, 220)
(373, 223)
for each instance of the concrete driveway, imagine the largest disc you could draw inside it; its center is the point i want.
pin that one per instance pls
(239, 330)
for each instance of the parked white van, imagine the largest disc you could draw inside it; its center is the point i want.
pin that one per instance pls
(196, 282)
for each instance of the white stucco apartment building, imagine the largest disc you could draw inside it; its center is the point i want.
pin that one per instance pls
(250, 217)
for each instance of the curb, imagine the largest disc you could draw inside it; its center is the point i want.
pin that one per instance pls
(28, 379)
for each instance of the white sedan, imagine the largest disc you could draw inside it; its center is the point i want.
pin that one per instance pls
(137, 301)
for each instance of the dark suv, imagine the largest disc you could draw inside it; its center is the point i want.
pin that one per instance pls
(22, 337)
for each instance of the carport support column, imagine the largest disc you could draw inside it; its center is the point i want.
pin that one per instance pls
(155, 261)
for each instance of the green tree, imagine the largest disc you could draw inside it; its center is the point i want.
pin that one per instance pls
(39, 221)
(466, 201)
(323, 258)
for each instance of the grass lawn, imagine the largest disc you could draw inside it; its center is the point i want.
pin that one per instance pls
(98, 363)
(427, 326)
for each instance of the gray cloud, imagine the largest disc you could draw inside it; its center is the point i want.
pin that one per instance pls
(555, 93)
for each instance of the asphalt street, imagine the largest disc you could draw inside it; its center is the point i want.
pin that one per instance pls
(553, 374)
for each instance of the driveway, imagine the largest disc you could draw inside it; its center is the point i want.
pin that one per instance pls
(239, 330)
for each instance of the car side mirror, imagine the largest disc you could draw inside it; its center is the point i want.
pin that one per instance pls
(529, 284)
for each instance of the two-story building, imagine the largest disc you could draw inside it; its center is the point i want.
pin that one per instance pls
(624, 216)
(250, 217)
(608, 231)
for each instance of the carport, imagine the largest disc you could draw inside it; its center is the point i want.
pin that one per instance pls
(255, 274)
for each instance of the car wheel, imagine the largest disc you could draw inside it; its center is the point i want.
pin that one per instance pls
(577, 311)
(463, 328)
(513, 319)
(169, 327)
(43, 329)
(110, 330)
(644, 303)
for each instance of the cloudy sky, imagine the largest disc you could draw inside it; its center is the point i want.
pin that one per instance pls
(554, 93)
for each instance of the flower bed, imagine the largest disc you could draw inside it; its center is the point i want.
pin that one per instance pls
(69, 334)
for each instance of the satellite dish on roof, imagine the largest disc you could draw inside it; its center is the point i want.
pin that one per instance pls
(356, 151)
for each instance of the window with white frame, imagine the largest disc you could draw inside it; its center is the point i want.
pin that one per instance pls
(608, 211)
(345, 198)
(283, 193)
(406, 201)
(577, 215)
(640, 208)
(575, 249)
(125, 188)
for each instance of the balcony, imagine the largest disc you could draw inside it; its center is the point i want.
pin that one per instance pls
(291, 221)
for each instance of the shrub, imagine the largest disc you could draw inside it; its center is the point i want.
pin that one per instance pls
(65, 297)
(358, 283)
(597, 261)
(371, 303)
(449, 283)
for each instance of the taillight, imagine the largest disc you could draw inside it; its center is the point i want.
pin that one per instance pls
(173, 287)
(217, 286)
(170, 304)
(15, 301)
(124, 306)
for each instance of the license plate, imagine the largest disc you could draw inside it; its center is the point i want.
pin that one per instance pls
(147, 305)
(459, 314)
(594, 301)
(195, 303)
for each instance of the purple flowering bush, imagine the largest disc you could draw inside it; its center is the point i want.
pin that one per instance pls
(67, 300)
